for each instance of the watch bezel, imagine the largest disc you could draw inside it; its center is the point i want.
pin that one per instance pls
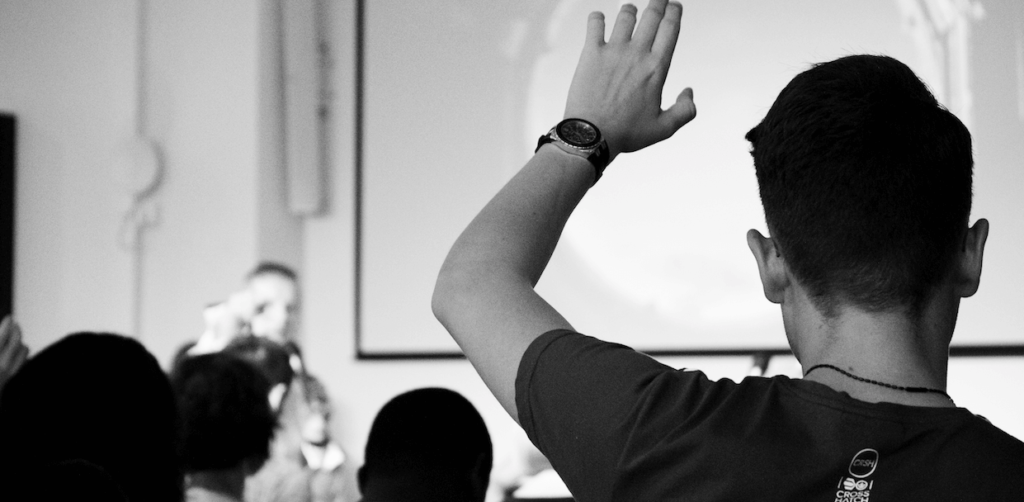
(584, 146)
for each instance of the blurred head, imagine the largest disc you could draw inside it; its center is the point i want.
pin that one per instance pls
(89, 406)
(865, 181)
(226, 419)
(270, 359)
(274, 289)
(427, 444)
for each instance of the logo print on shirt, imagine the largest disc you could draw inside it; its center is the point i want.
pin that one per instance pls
(864, 463)
(857, 489)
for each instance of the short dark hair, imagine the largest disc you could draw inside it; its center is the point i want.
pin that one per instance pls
(865, 181)
(274, 268)
(99, 398)
(270, 358)
(433, 434)
(225, 415)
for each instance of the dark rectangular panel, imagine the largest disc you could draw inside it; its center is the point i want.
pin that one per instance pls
(7, 143)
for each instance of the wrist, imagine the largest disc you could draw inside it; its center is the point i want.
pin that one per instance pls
(567, 160)
(555, 146)
(580, 138)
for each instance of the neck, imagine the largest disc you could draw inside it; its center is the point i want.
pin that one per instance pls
(889, 347)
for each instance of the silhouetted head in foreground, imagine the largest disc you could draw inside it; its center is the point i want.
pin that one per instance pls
(427, 445)
(93, 411)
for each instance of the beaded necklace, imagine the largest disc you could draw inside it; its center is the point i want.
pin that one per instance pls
(915, 390)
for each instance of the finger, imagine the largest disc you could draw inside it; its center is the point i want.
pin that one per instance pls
(649, 23)
(11, 346)
(624, 24)
(12, 359)
(15, 330)
(680, 113)
(5, 326)
(668, 32)
(595, 29)
(10, 334)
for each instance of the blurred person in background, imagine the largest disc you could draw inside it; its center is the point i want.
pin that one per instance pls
(227, 423)
(281, 477)
(268, 308)
(332, 479)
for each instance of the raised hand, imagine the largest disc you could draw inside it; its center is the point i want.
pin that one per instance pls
(13, 352)
(618, 84)
(225, 321)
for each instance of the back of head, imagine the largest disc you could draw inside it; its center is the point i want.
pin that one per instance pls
(226, 419)
(272, 359)
(427, 444)
(95, 397)
(866, 183)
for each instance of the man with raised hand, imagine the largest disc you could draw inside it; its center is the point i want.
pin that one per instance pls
(866, 185)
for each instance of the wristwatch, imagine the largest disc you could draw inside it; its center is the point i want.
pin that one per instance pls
(582, 138)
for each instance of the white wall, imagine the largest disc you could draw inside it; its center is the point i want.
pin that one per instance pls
(203, 101)
(66, 71)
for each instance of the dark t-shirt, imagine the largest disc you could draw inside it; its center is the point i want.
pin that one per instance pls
(618, 425)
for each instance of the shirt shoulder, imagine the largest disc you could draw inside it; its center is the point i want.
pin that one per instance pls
(619, 425)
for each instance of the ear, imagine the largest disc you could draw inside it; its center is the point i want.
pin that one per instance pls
(968, 271)
(770, 265)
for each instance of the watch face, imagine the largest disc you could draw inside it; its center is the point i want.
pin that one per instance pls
(578, 133)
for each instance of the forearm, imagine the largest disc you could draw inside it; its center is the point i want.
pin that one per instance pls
(516, 232)
(485, 288)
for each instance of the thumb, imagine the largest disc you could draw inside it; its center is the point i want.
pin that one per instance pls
(680, 113)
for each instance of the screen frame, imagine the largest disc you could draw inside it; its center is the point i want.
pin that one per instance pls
(362, 353)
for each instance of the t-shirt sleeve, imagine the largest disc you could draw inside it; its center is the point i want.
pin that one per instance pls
(579, 400)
